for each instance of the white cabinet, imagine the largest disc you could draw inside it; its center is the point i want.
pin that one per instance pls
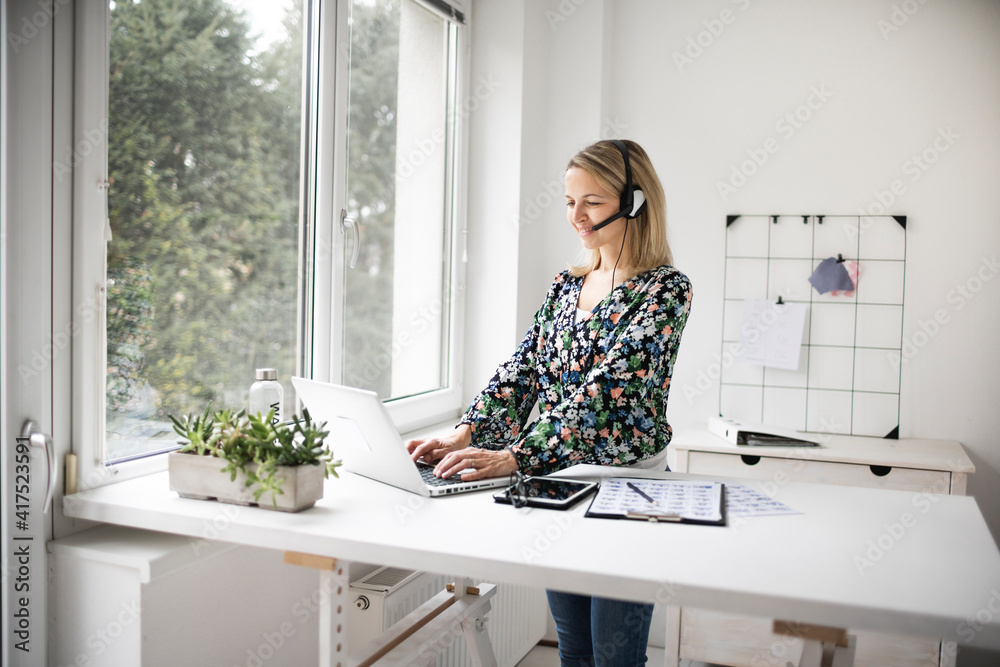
(127, 597)
(928, 466)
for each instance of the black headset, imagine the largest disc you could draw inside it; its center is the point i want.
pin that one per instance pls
(633, 201)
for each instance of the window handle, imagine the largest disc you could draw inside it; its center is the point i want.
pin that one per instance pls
(348, 221)
(36, 439)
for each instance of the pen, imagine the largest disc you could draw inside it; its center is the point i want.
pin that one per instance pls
(641, 493)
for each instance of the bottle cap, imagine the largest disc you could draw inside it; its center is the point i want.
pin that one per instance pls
(266, 374)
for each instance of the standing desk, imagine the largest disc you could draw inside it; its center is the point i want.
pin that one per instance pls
(937, 573)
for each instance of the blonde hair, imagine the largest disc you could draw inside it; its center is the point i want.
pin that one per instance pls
(647, 242)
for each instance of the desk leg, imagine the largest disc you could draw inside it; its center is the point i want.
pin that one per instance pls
(672, 642)
(333, 618)
(474, 628)
(478, 641)
(332, 613)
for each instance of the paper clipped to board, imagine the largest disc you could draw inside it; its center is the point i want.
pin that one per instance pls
(771, 333)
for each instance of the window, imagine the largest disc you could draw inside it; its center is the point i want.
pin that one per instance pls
(279, 183)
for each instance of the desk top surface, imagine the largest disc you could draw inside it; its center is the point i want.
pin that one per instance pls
(918, 453)
(892, 561)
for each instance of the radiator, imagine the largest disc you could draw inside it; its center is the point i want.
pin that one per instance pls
(516, 622)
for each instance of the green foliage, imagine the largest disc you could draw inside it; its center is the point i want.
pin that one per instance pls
(243, 440)
(129, 324)
(198, 431)
(203, 160)
(204, 168)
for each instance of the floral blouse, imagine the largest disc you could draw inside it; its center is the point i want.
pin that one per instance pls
(601, 384)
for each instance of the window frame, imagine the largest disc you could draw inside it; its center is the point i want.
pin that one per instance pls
(321, 243)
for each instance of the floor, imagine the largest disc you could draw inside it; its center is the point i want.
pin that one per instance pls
(548, 656)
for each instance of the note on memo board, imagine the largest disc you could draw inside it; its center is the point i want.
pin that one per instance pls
(771, 333)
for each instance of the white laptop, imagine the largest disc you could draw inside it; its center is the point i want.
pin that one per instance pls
(364, 437)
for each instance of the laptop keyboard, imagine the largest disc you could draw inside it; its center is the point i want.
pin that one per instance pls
(427, 472)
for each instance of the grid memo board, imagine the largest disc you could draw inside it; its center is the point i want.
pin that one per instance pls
(848, 377)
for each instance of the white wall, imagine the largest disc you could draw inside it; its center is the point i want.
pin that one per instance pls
(494, 118)
(890, 94)
(888, 89)
(893, 77)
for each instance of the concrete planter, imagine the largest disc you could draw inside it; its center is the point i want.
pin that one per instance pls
(194, 476)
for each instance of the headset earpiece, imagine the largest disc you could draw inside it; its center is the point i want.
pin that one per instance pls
(638, 203)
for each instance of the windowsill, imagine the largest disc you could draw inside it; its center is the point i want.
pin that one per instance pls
(154, 465)
(436, 430)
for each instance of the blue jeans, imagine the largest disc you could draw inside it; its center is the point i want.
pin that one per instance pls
(598, 632)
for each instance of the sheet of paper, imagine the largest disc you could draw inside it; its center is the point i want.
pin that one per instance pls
(771, 333)
(744, 501)
(689, 499)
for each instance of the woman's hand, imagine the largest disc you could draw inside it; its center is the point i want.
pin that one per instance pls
(434, 449)
(480, 463)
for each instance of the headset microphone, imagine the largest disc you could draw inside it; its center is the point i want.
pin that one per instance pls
(632, 201)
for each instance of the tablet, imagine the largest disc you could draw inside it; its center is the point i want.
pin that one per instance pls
(550, 492)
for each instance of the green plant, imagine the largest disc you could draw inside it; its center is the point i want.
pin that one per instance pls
(243, 440)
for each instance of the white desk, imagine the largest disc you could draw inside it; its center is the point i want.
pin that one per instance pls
(801, 567)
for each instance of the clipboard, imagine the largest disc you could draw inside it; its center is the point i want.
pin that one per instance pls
(660, 500)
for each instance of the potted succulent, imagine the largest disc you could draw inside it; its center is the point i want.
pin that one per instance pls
(237, 458)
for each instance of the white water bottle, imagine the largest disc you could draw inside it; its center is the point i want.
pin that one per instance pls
(266, 394)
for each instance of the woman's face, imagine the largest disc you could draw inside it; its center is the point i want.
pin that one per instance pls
(588, 204)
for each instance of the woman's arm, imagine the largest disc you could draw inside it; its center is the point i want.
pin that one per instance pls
(499, 413)
(617, 415)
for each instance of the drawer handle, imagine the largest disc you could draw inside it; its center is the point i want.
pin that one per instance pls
(750, 460)
(880, 471)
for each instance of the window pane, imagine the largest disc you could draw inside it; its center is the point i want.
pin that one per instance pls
(204, 161)
(395, 311)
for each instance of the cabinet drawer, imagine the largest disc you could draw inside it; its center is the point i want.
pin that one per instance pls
(728, 639)
(823, 472)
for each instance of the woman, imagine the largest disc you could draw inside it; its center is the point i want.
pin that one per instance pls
(598, 360)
